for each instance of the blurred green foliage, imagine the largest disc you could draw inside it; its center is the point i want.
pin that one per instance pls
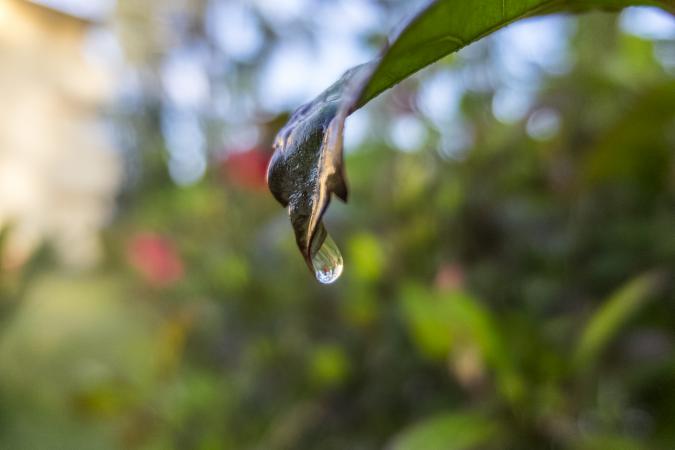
(517, 297)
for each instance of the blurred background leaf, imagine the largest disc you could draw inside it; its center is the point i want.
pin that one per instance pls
(450, 431)
(606, 323)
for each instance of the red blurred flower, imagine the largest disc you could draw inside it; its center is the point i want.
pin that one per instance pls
(449, 277)
(247, 168)
(156, 259)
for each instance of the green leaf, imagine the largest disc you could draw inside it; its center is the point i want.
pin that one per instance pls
(612, 315)
(307, 166)
(429, 321)
(449, 431)
(440, 323)
(603, 442)
(328, 365)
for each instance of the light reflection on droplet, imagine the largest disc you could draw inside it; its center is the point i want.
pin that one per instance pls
(327, 262)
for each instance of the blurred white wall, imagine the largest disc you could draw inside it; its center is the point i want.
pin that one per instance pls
(58, 172)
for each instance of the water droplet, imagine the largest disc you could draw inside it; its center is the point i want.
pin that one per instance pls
(327, 262)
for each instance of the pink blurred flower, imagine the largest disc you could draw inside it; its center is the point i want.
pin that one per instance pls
(450, 277)
(156, 259)
(247, 168)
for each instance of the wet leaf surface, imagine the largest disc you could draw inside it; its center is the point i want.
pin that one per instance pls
(307, 166)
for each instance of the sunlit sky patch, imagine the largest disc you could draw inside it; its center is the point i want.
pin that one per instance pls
(89, 9)
(296, 71)
(648, 23)
(184, 79)
(543, 124)
(242, 38)
(439, 96)
(186, 145)
(407, 132)
(537, 43)
(357, 130)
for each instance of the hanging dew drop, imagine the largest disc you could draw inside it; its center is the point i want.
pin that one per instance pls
(327, 262)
